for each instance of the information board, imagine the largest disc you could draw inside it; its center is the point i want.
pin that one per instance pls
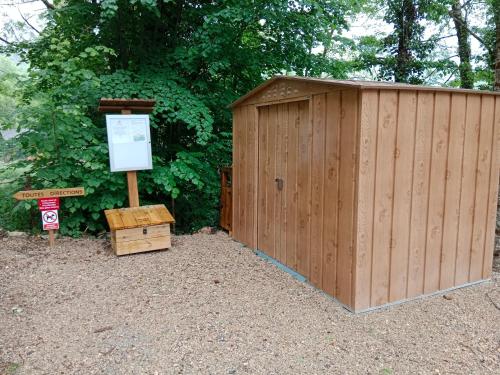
(129, 142)
(46, 204)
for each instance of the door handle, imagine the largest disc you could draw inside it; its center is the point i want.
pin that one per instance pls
(279, 183)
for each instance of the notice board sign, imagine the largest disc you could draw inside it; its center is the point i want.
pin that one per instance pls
(46, 204)
(129, 142)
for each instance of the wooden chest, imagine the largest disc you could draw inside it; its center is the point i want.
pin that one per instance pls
(139, 229)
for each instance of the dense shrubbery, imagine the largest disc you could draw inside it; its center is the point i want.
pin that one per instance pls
(193, 58)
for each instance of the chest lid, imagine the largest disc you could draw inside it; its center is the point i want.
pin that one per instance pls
(133, 217)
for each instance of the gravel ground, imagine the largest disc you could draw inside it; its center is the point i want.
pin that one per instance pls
(210, 306)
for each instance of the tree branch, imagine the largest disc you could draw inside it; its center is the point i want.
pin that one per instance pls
(19, 3)
(27, 22)
(48, 5)
(450, 77)
(477, 37)
(440, 38)
(5, 41)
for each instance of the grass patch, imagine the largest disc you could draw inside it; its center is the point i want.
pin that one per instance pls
(9, 368)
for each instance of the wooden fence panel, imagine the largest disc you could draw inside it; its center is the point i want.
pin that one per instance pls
(421, 172)
(403, 181)
(317, 181)
(384, 184)
(347, 196)
(466, 215)
(366, 189)
(437, 182)
(483, 172)
(331, 192)
(453, 190)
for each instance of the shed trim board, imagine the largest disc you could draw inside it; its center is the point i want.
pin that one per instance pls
(357, 84)
(388, 192)
(412, 299)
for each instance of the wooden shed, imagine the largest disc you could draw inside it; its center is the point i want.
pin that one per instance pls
(375, 192)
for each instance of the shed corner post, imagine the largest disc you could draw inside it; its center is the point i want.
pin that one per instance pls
(234, 178)
(355, 302)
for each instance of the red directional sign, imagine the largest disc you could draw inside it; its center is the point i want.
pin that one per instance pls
(46, 204)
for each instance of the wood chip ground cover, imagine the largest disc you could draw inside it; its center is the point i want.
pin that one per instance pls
(210, 306)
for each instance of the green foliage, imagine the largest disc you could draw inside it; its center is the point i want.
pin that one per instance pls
(11, 76)
(405, 54)
(407, 46)
(485, 62)
(193, 58)
(15, 215)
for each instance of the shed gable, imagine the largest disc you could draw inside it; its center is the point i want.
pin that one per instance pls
(280, 89)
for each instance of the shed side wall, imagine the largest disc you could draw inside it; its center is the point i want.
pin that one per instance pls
(245, 161)
(428, 179)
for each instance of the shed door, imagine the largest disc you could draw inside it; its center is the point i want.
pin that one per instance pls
(285, 136)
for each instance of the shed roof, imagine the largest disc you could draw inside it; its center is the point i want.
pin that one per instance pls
(359, 84)
(119, 104)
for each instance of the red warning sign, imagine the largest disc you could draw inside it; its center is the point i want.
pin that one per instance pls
(46, 204)
(50, 219)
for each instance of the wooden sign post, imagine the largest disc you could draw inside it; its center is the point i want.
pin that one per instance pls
(127, 107)
(48, 203)
(133, 229)
(133, 188)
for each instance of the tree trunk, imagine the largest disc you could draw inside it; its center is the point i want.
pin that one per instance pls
(496, 12)
(496, 87)
(406, 22)
(464, 50)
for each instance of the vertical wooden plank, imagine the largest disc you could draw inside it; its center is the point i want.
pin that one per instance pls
(279, 160)
(304, 189)
(437, 185)
(283, 114)
(468, 183)
(348, 133)
(420, 193)
(354, 252)
(290, 222)
(249, 175)
(482, 187)
(366, 190)
(453, 189)
(236, 173)
(384, 183)
(262, 240)
(242, 175)
(403, 182)
(256, 173)
(317, 181)
(133, 190)
(331, 192)
(493, 195)
(271, 184)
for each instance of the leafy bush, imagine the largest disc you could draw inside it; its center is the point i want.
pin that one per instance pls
(14, 215)
(192, 58)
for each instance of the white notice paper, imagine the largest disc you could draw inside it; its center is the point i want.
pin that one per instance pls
(129, 142)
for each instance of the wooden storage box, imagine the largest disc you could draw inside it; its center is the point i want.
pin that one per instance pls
(139, 229)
